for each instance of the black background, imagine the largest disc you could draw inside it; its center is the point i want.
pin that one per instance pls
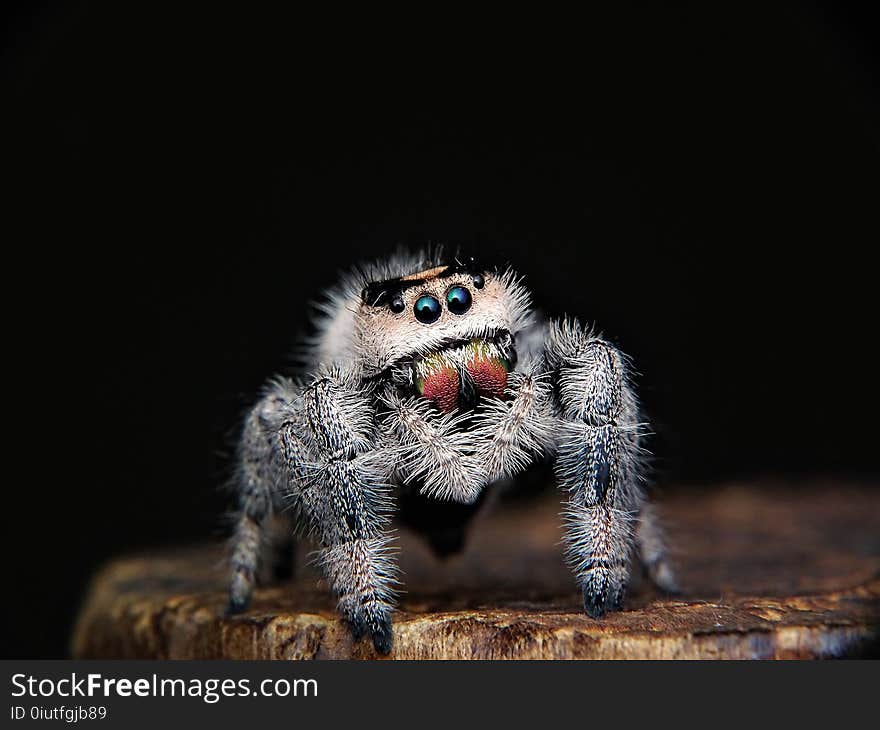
(702, 183)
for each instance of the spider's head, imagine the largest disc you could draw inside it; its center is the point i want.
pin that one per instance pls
(444, 328)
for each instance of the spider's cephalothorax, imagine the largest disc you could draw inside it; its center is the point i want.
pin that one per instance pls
(428, 382)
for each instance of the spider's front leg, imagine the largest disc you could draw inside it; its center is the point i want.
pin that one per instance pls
(323, 443)
(597, 461)
(349, 504)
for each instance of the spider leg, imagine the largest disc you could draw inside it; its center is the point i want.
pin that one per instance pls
(651, 545)
(260, 485)
(323, 446)
(597, 461)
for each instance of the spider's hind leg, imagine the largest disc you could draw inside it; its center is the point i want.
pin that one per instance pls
(651, 545)
(260, 487)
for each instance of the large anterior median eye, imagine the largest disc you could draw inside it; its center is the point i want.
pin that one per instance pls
(458, 299)
(427, 309)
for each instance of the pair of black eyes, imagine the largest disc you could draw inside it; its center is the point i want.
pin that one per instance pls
(428, 308)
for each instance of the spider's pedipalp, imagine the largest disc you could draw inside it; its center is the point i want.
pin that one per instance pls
(511, 434)
(434, 450)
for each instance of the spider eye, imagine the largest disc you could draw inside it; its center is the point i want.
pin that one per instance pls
(479, 281)
(427, 309)
(458, 299)
(397, 304)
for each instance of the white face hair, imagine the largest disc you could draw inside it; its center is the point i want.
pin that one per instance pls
(373, 320)
(388, 337)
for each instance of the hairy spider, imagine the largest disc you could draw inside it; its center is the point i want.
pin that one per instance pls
(427, 382)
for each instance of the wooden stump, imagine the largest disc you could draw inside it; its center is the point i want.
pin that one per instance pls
(767, 573)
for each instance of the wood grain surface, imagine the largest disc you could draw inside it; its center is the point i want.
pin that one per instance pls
(767, 571)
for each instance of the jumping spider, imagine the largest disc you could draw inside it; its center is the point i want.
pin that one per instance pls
(428, 382)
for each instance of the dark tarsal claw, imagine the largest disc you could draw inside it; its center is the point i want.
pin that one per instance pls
(237, 605)
(597, 604)
(358, 627)
(594, 604)
(383, 637)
